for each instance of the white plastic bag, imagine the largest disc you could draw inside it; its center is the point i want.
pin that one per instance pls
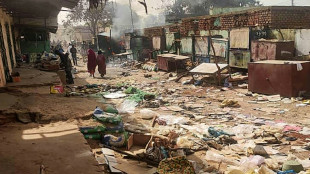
(147, 114)
(251, 163)
(128, 106)
(213, 156)
(184, 142)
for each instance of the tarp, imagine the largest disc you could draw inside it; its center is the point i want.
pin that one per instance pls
(240, 38)
(302, 42)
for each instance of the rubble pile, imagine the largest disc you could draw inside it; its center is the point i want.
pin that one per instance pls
(48, 62)
(167, 124)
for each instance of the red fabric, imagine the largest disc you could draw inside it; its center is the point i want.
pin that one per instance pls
(91, 63)
(101, 64)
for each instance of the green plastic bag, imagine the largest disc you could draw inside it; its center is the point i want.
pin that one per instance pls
(97, 129)
(108, 118)
(131, 90)
(95, 136)
(111, 109)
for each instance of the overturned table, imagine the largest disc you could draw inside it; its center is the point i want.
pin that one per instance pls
(208, 69)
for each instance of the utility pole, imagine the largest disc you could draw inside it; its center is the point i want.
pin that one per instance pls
(292, 2)
(131, 16)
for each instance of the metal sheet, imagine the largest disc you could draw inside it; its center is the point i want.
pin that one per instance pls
(169, 40)
(239, 58)
(277, 77)
(272, 50)
(186, 45)
(221, 48)
(202, 45)
(156, 42)
(240, 38)
(171, 62)
(302, 42)
(223, 33)
(208, 68)
(127, 42)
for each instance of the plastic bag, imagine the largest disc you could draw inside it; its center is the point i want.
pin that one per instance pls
(216, 133)
(171, 120)
(99, 115)
(111, 140)
(213, 156)
(110, 109)
(128, 106)
(115, 95)
(272, 164)
(184, 142)
(147, 114)
(265, 170)
(252, 162)
(243, 131)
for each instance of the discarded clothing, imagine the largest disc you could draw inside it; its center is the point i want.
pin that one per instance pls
(95, 136)
(92, 86)
(287, 172)
(138, 95)
(111, 140)
(216, 133)
(106, 117)
(98, 129)
(299, 67)
(115, 129)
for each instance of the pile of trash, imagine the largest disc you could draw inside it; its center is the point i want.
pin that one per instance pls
(111, 132)
(48, 62)
(179, 123)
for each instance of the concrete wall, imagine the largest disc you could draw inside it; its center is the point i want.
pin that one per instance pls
(5, 18)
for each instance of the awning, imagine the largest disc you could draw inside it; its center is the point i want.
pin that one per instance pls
(40, 14)
(36, 8)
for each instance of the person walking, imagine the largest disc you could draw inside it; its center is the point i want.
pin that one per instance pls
(91, 62)
(101, 63)
(68, 50)
(73, 52)
(66, 64)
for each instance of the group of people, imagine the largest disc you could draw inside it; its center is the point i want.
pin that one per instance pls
(94, 60)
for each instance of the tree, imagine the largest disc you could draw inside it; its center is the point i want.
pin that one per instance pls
(182, 8)
(95, 18)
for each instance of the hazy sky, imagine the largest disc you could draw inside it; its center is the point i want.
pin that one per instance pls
(155, 6)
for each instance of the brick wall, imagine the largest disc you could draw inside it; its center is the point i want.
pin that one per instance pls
(151, 32)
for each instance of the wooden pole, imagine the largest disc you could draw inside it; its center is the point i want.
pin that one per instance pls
(215, 59)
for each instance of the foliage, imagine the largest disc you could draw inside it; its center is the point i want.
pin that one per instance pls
(94, 18)
(182, 8)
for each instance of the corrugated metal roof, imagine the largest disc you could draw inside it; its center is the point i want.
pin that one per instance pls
(36, 8)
